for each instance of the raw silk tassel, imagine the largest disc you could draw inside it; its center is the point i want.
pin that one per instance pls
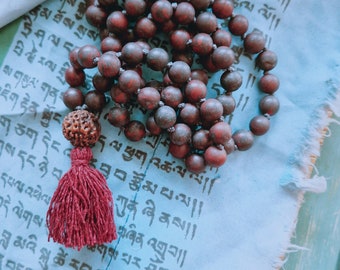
(81, 209)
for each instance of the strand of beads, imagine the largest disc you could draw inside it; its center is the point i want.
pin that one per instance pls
(178, 103)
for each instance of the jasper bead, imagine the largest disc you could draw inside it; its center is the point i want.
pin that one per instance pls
(259, 125)
(243, 139)
(266, 60)
(161, 11)
(110, 44)
(220, 133)
(202, 44)
(118, 95)
(200, 74)
(132, 54)
(200, 4)
(157, 58)
(95, 101)
(211, 110)
(181, 134)
(222, 8)
(117, 22)
(100, 83)
(109, 65)
(118, 116)
(201, 139)
(129, 81)
(135, 8)
(254, 42)
(145, 28)
(195, 163)
(172, 96)
(228, 103)
(179, 151)
(221, 37)
(96, 16)
(223, 57)
(134, 131)
(73, 57)
(229, 146)
(87, 56)
(73, 97)
(231, 81)
(190, 114)
(179, 72)
(206, 22)
(152, 127)
(238, 25)
(148, 98)
(74, 77)
(179, 39)
(195, 91)
(269, 105)
(214, 156)
(165, 117)
(184, 13)
(269, 83)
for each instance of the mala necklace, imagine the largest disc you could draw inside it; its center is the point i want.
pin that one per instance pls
(81, 210)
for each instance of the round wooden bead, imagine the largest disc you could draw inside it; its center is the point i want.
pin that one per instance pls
(195, 91)
(223, 57)
(74, 77)
(148, 98)
(145, 28)
(181, 134)
(73, 98)
(259, 125)
(222, 8)
(266, 60)
(135, 8)
(269, 105)
(206, 22)
(254, 42)
(195, 163)
(179, 151)
(231, 81)
(135, 131)
(132, 53)
(157, 58)
(244, 139)
(214, 156)
(95, 101)
(118, 116)
(179, 72)
(87, 56)
(109, 65)
(184, 13)
(202, 44)
(238, 25)
(161, 11)
(165, 117)
(117, 22)
(269, 83)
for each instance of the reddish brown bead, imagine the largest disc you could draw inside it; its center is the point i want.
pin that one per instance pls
(179, 39)
(96, 16)
(200, 4)
(229, 146)
(269, 83)
(172, 96)
(100, 83)
(118, 95)
(186, 56)
(72, 98)
(238, 25)
(231, 81)
(165, 117)
(243, 139)
(132, 53)
(211, 110)
(221, 37)
(206, 22)
(152, 127)
(214, 156)
(208, 64)
(73, 57)
(161, 11)
(269, 105)
(195, 163)
(184, 13)
(157, 58)
(202, 44)
(195, 91)
(110, 44)
(254, 42)
(220, 133)
(148, 98)
(179, 151)
(200, 74)
(145, 28)
(106, 3)
(228, 103)
(266, 60)
(168, 26)
(223, 57)
(201, 139)
(190, 114)
(118, 116)
(74, 77)
(109, 65)
(259, 125)
(87, 56)
(181, 134)
(135, 8)
(179, 72)
(129, 81)
(117, 22)
(144, 45)
(222, 8)
(134, 131)
(95, 101)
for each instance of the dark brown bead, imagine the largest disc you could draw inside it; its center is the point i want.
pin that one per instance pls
(229, 146)
(148, 98)
(243, 139)
(161, 11)
(238, 25)
(254, 42)
(195, 163)
(73, 57)
(186, 56)
(165, 117)
(202, 44)
(222, 8)
(168, 26)
(179, 39)
(201, 139)
(110, 44)
(135, 8)
(172, 96)
(129, 81)
(231, 81)
(144, 45)
(269, 83)
(206, 22)
(208, 64)
(223, 57)
(190, 114)
(200, 4)
(109, 65)
(211, 110)
(118, 95)
(100, 83)
(74, 77)
(117, 22)
(145, 28)
(220, 133)
(184, 13)
(269, 105)
(259, 125)
(107, 3)
(118, 116)
(87, 56)
(95, 101)
(266, 60)
(181, 134)
(214, 156)
(152, 127)
(132, 54)
(72, 98)
(96, 16)
(134, 131)
(221, 37)
(228, 103)
(179, 151)
(195, 91)
(200, 74)
(179, 72)
(157, 58)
